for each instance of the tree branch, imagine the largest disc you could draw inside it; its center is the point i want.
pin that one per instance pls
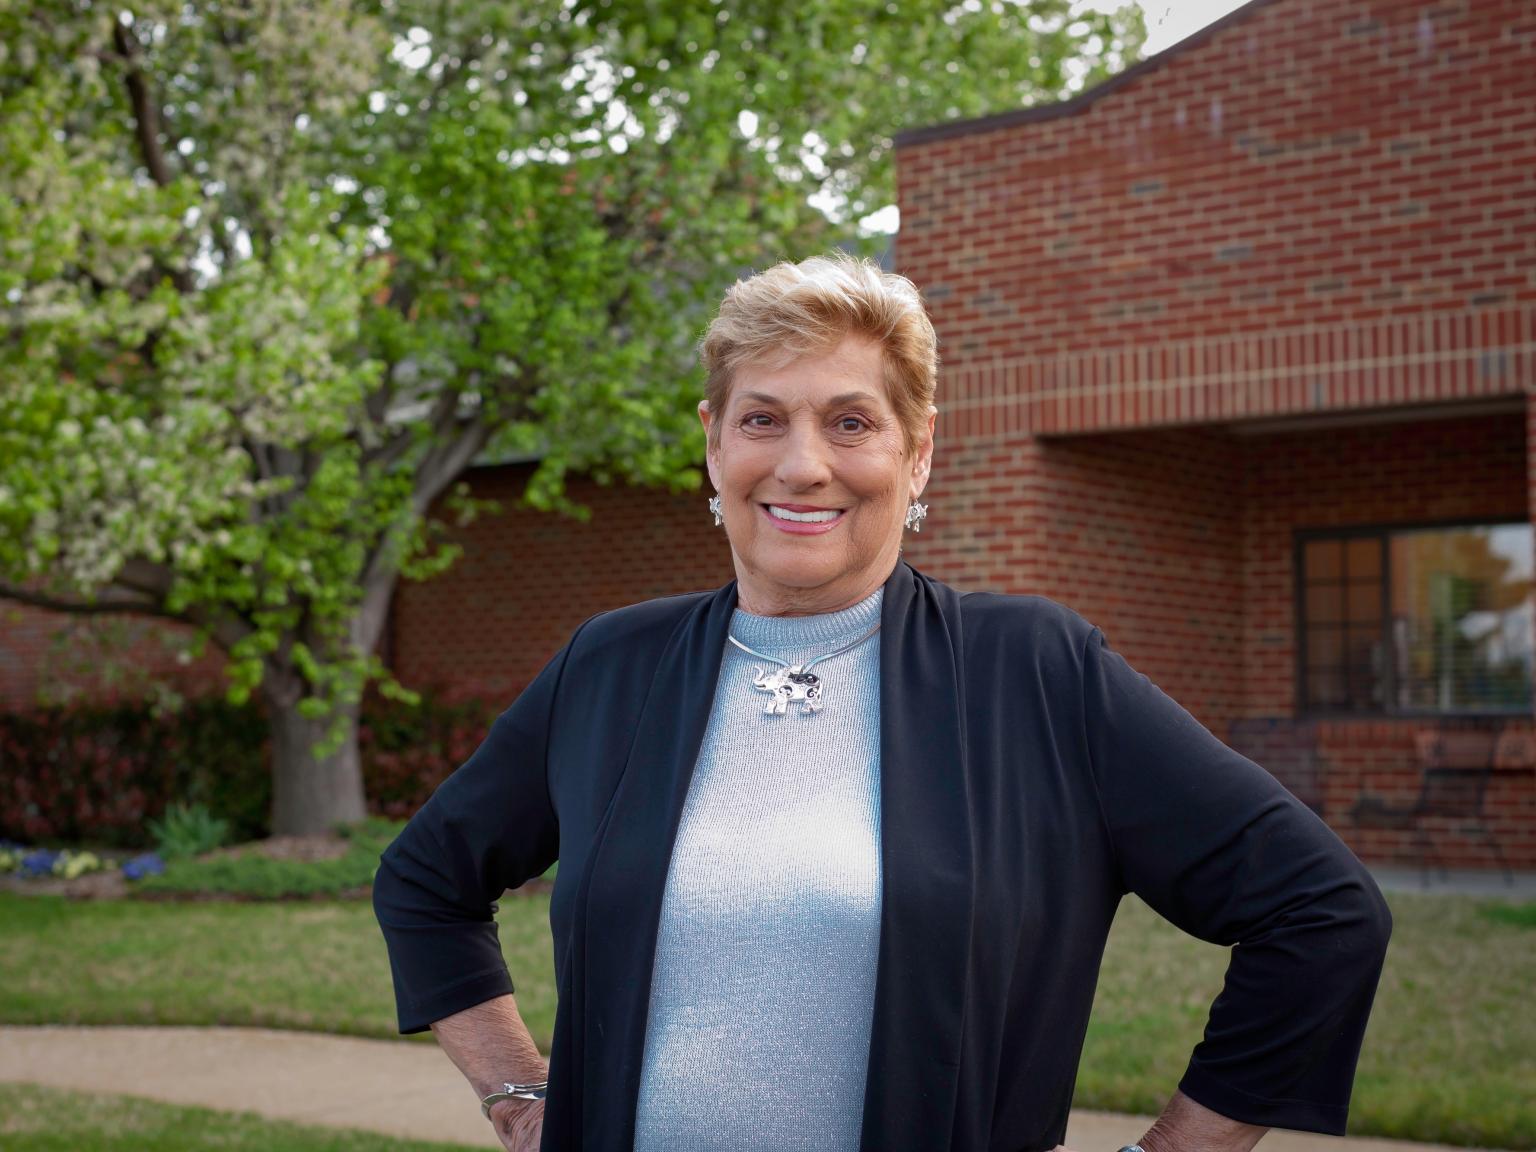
(378, 589)
(146, 116)
(139, 589)
(376, 403)
(257, 451)
(443, 465)
(98, 607)
(445, 461)
(386, 455)
(146, 119)
(145, 577)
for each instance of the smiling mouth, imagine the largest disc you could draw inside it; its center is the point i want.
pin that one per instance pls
(807, 516)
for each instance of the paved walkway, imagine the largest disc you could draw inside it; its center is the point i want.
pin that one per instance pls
(389, 1086)
(1482, 883)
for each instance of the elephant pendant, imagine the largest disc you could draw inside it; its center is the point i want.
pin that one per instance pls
(786, 686)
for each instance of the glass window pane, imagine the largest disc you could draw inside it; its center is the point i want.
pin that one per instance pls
(1342, 615)
(1363, 559)
(1325, 689)
(1325, 647)
(1363, 669)
(1325, 604)
(1365, 604)
(1362, 648)
(1324, 560)
(1462, 608)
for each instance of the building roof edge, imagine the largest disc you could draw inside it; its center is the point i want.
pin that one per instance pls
(991, 123)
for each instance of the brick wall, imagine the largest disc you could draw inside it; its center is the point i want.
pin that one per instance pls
(1180, 544)
(527, 579)
(1318, 208)
(1319, 205)
(45, 656)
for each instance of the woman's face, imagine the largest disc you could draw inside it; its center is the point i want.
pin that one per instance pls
(814, 479)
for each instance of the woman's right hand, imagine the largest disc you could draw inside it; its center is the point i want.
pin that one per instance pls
(519, 1124)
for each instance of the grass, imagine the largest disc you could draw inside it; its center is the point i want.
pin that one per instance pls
(249, 874)
(245, 872)
(316, 966)
(48, 1120)
(1520, 915)
(1449, 1056)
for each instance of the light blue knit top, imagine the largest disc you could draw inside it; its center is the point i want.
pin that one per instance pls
(763, 987)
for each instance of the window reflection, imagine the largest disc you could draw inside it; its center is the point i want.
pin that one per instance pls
(1455, 602)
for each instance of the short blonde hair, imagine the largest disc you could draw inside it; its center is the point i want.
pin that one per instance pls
(791, 310)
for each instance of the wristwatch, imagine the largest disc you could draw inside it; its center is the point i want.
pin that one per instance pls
(519, 1092)
(1133, 1148)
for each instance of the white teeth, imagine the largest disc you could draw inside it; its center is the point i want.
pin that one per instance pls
(804, 517)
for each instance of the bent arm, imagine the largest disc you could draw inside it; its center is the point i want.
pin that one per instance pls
(489, 827)
(491, 1045)
(1217, 846)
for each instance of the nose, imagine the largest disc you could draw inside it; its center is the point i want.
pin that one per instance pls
(804, 462)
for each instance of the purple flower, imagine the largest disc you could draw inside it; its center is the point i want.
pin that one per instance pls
(39, 863)
(148, 864)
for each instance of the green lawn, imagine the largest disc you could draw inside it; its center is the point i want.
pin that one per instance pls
(318, 966)
(1449, 1057)
(1452, 1039)
(47, 1120)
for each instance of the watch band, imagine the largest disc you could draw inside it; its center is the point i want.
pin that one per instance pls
(535, 1091)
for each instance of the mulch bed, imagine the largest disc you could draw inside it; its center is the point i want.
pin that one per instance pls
(113, 885)
(94, 886)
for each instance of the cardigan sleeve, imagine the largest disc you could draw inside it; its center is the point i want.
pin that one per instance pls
(1219, 847)
(487, 828)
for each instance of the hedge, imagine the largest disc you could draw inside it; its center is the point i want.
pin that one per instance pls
(92, 773)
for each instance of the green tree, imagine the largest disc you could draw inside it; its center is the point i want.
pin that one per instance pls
(273, 273)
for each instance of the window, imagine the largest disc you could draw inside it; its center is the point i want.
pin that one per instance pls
(1416, 620)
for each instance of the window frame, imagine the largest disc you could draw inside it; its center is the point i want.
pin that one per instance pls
(1380, 531)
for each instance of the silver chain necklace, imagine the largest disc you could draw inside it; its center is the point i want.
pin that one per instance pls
(793, 683)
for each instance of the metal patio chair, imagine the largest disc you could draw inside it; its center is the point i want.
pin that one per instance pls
(1455, 767)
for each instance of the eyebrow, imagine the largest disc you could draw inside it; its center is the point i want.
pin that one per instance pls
(835, 401)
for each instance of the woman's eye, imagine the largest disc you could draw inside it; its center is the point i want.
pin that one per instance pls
(758, 420)
(851, 424)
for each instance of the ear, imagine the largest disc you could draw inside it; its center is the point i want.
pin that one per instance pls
(712, 449)
(922, 460)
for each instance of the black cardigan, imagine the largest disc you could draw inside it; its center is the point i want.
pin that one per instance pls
(1029, 777)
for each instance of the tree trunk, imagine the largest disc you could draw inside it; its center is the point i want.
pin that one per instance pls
(310, 794)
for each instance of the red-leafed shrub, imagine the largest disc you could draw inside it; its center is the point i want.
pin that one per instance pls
(99, 773)
(84, 771)
(407, 752)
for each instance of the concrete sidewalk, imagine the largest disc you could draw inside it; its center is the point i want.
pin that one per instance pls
(1479, 882)
(394, 1087)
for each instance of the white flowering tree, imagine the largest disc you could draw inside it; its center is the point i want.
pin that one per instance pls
(273, 273)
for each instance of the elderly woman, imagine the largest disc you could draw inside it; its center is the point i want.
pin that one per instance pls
(839, 846)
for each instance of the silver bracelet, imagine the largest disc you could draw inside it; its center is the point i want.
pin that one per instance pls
(514, 1092)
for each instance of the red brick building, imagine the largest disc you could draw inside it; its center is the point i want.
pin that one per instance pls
(527, 579)
(1238, 356)
(1239, 350)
